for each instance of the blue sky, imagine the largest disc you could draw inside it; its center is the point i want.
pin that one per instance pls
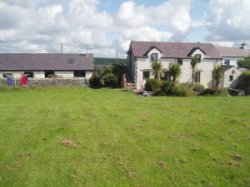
(107, 26)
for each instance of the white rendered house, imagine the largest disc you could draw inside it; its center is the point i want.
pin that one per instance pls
(230, 55)
(142, 54)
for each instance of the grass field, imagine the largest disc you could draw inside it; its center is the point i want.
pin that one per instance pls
(83, 137)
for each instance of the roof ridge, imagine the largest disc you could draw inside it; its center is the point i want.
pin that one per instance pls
(138, 41)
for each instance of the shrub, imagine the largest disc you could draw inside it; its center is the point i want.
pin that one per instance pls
(109, 80)
(183, 90)
(119, 70)
(219, 92)
(233, 92)
(244, 81)
(208, 91)
(109, 76)
(175, 71)
(152, 85)
(245, 63)
(95, 81)
(159, 93)
(217, 75)
(197, 87)
(167, 87)
(222, 92)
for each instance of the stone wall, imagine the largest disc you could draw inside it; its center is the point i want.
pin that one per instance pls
(59, 82)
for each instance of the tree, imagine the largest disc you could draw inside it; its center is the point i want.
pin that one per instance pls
(194, 62)
(217, 75)
(119, 70)
(157, 68)
(245, 63)
(244, 81)
(175, 71)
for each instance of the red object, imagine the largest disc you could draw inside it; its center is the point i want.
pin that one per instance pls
(23, 80)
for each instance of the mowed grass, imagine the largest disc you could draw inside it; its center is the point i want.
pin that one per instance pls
(84, 137)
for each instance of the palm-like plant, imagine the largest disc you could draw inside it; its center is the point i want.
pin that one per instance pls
(194, 62)
(157, 69)
(175, 71)
(217, 75)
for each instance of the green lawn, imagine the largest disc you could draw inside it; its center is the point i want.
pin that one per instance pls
(84, 137)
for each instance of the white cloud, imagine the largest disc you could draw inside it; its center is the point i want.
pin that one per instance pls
(138, 22)
(224, 43)
(41, 25)
(132, 16)
(172, 13)
(228, 20)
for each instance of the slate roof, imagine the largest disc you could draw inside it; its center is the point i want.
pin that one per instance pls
(233, 52)
(225, 68)
(45, 61)
(173, 49)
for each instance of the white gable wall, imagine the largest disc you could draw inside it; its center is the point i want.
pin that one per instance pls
(198, 52)
(226, 78)
(154, 50)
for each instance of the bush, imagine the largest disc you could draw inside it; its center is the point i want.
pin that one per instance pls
(159, 93)
(219, 92)
(109, 80)
(167, 87)
(108, 76)
(95, 81)
(222, 92)
(152, 85)
(119, 70)
(183, 90)
(197, 87)
(208, 91)
(233, 92)
(244, 81)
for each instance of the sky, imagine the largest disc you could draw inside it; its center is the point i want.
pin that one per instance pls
(104, 27)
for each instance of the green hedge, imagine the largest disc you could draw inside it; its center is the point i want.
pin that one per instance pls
(244, 81)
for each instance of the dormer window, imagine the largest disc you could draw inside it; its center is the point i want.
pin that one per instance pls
(198, 57)
(154, 57)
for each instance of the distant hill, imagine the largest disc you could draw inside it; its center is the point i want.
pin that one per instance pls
(109, 61)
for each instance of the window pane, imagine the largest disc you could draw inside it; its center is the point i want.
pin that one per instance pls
(7, 74)
(79, 73)
(198, 56)
(154, 57)
(146, 74)
(227, 62)
(180, 61)
(49, 74)
(29, 74)
(231, 78)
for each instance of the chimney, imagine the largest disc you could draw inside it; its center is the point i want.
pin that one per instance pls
(242, 46)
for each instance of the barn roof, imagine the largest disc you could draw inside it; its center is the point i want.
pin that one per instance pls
(45, 61)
